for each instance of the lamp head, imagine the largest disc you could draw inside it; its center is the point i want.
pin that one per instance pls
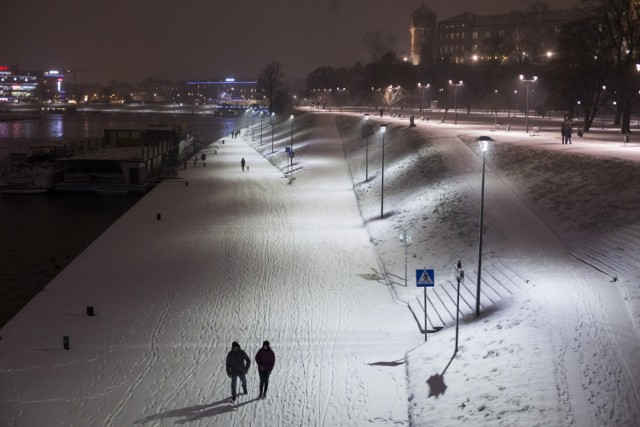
(484, 142)
(383, 128)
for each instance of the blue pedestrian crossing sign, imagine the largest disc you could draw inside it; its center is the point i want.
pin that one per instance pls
(425, 278)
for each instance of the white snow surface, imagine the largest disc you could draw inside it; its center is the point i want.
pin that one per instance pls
(308, 263)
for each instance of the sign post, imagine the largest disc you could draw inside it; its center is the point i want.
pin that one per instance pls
(425, 278)
(406, 238)
(458, 272)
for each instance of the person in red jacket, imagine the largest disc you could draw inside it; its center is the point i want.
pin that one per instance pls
(265, 359)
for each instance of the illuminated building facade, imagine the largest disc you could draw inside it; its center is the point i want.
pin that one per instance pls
(228, 91)
(27, 86)
(17, 87)
(508, 38)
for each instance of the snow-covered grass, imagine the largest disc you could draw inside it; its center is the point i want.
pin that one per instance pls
(564, 350)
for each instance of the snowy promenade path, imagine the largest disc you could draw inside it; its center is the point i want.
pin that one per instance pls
(236, 256)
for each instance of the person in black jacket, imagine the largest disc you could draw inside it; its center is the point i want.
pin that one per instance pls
(265, 359)
(237, 366)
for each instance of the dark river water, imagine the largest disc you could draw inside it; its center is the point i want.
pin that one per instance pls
(41, 234)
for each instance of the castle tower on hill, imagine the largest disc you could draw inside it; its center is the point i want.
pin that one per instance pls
(468, 38)
(423, 35)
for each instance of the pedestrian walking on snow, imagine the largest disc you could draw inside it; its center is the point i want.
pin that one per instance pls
(237, 367)
(265, 359)
(563, 131)
(568, 133)
(242, 163)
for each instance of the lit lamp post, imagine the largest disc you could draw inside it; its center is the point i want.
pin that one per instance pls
(526, 107)
(383, 129)
(340, 91)
(272, 114)
(366, 156)
(484, 142)
(495, 106)
(455, 98)
(423, 87)
(291, 147)
(251, 124)
(260, 128)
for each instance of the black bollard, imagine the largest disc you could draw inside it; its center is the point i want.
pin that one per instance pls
(65, 342)
(90, 311)
(158, 217)
(186, 183)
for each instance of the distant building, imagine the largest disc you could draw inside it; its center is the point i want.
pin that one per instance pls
(227, 91)
(507, 38)
(31, 86)
(423, 35)
(17, 86)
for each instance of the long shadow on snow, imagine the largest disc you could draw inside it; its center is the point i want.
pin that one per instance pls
(197, 412)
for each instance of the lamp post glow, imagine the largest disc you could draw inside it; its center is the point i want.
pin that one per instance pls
(366, 156)
(455, 98)
(383, 129)
(526, 108)
(484, 142)
(423, 87)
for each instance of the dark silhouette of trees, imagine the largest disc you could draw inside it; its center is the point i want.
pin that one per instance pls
(378, 43)
(271, 86)
(578, 77)
(616, 24)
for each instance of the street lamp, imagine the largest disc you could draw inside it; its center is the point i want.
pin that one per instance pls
(423, 87)
(484, 142)
(455, 98)
(291, 145)
(495, 106)
(526, 111)
(251, 123)
(366, 157)
(340, 90)
(261, 128)
(383, 129)
(272, 114)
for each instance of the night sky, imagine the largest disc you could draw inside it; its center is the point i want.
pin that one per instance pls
(129, 40)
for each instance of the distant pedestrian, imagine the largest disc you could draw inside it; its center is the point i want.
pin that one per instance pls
(237, 367)
(265, 359)
(242, 163)
(568, 133)
(381, 112)
(563, 131)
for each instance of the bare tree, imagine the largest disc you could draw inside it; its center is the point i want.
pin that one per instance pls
(270, 82)
(393, 95)
(378, 43)
(616, 21)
